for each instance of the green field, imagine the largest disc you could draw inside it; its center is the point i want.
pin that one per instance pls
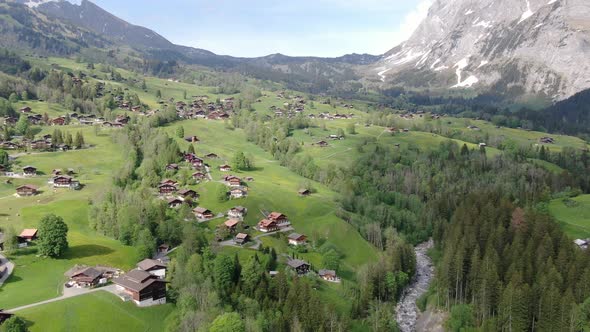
(99, 311)
(574, 214)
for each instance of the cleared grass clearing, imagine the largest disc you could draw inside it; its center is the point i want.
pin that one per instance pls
(98, 311)
(574, 216)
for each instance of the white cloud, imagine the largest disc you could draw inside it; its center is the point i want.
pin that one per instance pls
(410, 23)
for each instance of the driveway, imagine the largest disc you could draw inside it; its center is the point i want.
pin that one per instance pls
(9, 268)
(68, 293)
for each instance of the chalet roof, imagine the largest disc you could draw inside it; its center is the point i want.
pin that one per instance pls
(241, 236)
(174, 200)
(27, 186)
(186, 191)
(296, 263)
(322, 273)
(88, 271)
(28, 232)
(239, 208)
(136, 280)
(231, 223)
(201, 210)
(266, 223)
(296, 236)
(148, 264)
(276, 215)
(29, 167)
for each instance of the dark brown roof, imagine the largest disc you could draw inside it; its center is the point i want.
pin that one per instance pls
(136, 280)
(89, 272)
(149, 264)
(296, 263)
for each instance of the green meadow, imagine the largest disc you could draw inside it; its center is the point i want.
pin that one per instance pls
(573, 214)
(99, 311)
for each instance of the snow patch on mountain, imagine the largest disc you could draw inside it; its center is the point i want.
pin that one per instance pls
(528, 13)
(469, 82)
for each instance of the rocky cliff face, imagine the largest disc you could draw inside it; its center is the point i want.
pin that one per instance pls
(512, 47)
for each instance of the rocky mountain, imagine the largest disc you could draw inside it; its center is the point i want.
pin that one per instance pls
(511, 47)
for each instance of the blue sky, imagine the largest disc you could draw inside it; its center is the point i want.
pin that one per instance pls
(262, 27)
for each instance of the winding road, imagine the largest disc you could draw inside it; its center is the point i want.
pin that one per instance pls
(406, 310)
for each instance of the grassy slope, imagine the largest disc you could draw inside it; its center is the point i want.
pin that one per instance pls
(36, 278)
(99, 311)
(575, 220)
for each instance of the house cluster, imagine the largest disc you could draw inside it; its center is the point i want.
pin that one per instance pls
(36, 119)
(168, 189)
(201, 108)
(236, 189)
(302, 268)
(273, 222)
(328, 116)
(82, 276)
(145, 285)
(44, 143)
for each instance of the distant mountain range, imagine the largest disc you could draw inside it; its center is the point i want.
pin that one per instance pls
(514, 48)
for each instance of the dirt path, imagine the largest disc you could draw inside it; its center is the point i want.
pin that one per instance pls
(406, 311)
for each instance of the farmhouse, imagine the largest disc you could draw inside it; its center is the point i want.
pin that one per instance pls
(231, 224)
(199, 176)
(186, 193)
(166, 188)
(299, 266)
(279, 218)
(28, 234)
(238, 193)
(202, 213)
(174, 203)
(322, 144)
(9, 146)
(25, 109)
(241, 238)
(84, 276)
(297, 239)
(27, 190)
(237, 212)
(59, 121)
(153, 267)
(267, 226)
(29, 171)
(142, 287)
(211, 156)
(40, 144)
(232, 181)
(329, 275)
(172, 167)
(64, 181)
(225, 168)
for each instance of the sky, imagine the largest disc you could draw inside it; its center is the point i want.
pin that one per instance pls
(251, 28)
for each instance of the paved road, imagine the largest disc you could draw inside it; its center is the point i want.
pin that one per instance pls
(256, 240)
(9, 268)
(68, 293)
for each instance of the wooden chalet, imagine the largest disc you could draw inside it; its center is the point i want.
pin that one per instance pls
(202, 213)
(231, 224)
(297, 239)
(26, 109)
(59, 121)
(143, 288)
(241, 238)
(199, 176)
(153, 267)
(172, 167)
(232, 181)
(211, 156)
(299, 266)
(329, 275)
(166, 188)
(28, 234)
(186, 193)
(84, 276)
(321, 144)
(238, 193)
(65, 181)
(225, 168)
(237, 212)
(27, 190)
(174, 202)
(267, 226)
(192, 139)
(29, 171)
(279, 218)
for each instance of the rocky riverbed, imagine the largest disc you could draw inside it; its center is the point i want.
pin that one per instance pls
(406, 310)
